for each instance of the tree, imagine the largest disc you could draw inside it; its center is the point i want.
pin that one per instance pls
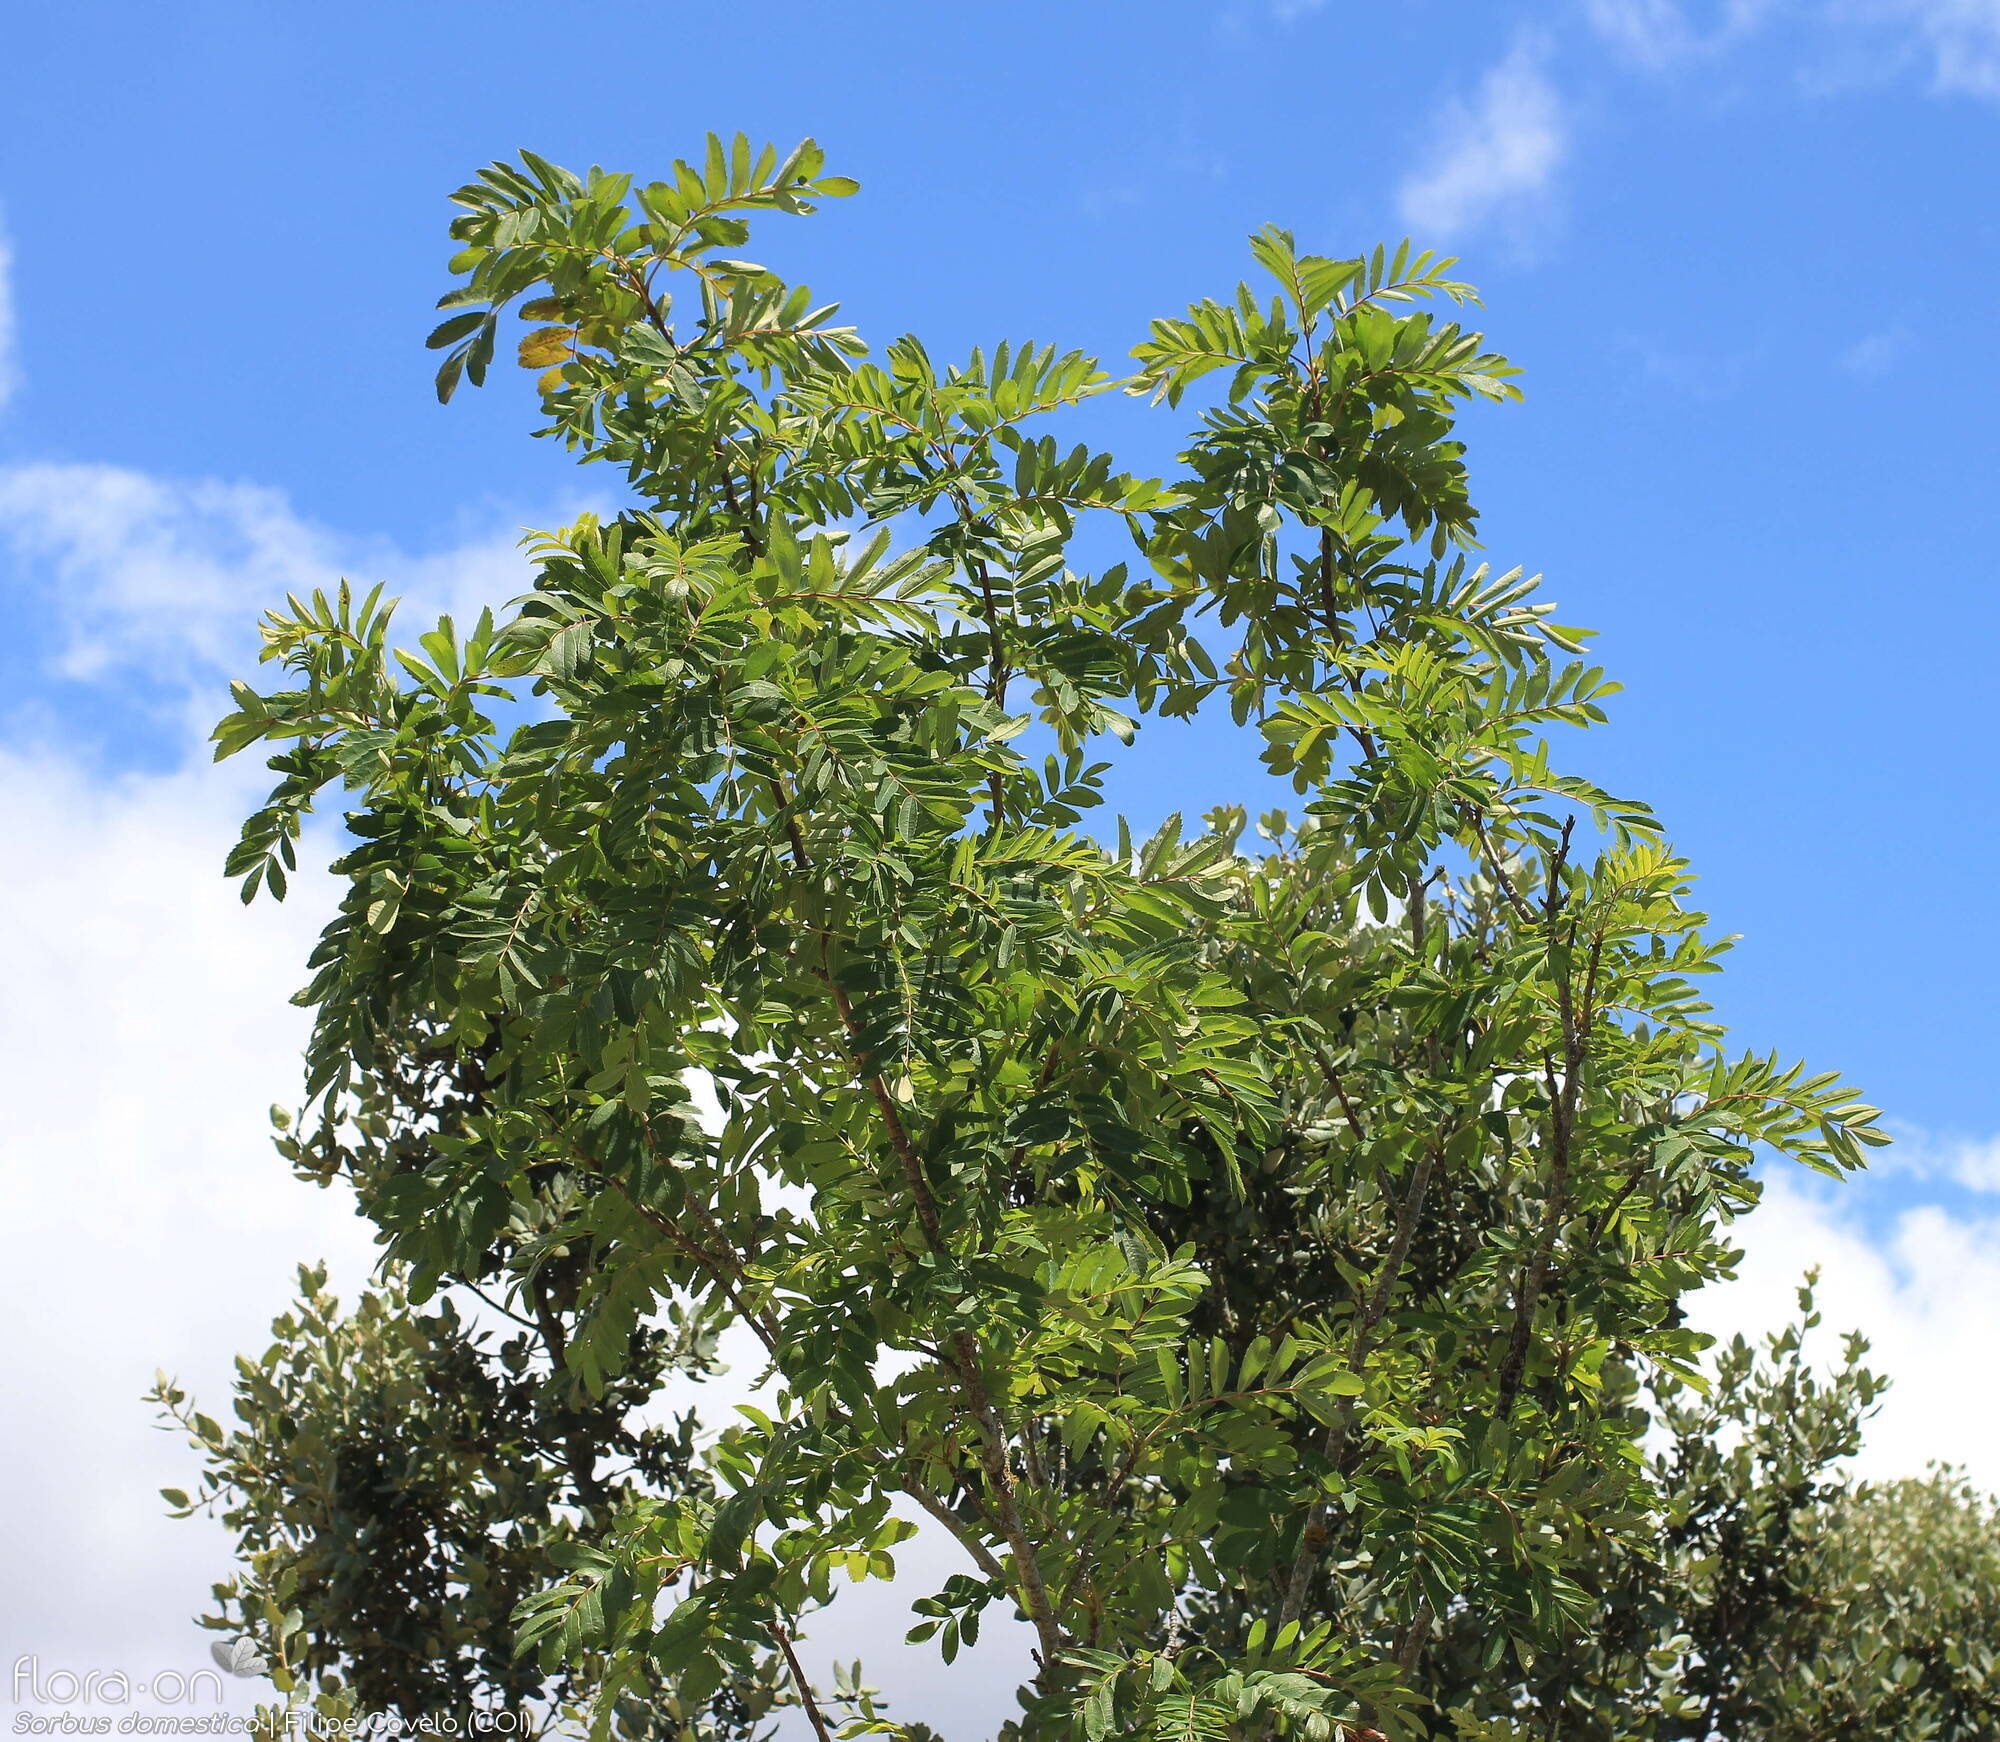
(1898, 1637)
(1251, 1258)
(1783, 1601)
(1815, 1607)
(399, 1488)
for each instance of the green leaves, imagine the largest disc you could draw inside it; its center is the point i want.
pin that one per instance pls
(1245, 1260)
(1312, 1685)
(537, 225)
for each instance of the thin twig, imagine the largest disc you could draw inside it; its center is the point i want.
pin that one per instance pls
(780, 1633)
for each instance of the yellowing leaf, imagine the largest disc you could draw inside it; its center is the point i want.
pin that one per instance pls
(546, 345)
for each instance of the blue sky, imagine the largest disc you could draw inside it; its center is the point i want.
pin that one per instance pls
(1744, 250)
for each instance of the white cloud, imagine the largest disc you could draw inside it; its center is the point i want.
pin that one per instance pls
(1927, 1296)
(145, 1029)
(167, 577)
(1494, 158)
(1959, 40)
(1972, 1163)
(1702, 373)
(1874, 356)
(1647, 30)
(1963, 37)
(1659, 32)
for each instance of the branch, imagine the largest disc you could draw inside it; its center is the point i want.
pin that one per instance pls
(485, 1299)
(1562, 1128)
(997, 673)
(1346, 1106)
(1500, 871)
(965, 1351)
(727, 1271)
(818, 1718)
(982, 1556)
(1314, 1536)
(579, 1455)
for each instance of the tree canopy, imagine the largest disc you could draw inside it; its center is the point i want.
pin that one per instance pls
(1261, 1254)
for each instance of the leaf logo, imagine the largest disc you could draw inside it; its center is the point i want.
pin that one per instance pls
(239, 1658)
